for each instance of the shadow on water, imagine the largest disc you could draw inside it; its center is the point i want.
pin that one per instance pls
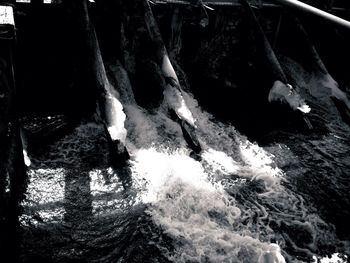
(125, 175)
(78, 199)
(80, 209)
(10, 235)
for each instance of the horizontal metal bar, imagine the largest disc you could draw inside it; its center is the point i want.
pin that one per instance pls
(210, 2)
(315, 11)
(187, 2)
(233, 3)
(237, 3)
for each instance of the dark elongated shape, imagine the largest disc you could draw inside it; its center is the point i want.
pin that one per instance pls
(262, 40)
(315, 57)
(338, 96)
(173, 90)
(110, 108)
(12, 169)
(281, 89)
(11, 157)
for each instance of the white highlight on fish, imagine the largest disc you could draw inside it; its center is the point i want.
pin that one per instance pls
(27, 161)
(168, 69)
(173, 96)
(176, 101)
(287, 94)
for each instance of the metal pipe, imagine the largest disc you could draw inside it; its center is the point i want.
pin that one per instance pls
(315, 11)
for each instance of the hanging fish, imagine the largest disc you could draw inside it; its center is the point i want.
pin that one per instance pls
(281, 90)
(110, 108)
(172, 91)
(339, 97)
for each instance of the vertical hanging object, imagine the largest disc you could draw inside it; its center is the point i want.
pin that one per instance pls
(12, 170)
(12, 167)
(338, 96)
(172, 93)
(109, 107)
(281, 90)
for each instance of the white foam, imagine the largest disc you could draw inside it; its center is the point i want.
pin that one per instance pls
(192, 210)
(221, 161)
(260, 164)
(233, 153)
(141, 127)
(159, 168)
(26, 158)
(272, 255)
(335, 258)
(285, 93)
(116, 118)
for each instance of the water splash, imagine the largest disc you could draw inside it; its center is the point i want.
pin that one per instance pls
(335, 258)
(231, 206)
(197, 214)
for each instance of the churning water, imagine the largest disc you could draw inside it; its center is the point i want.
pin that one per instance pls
(236, 202)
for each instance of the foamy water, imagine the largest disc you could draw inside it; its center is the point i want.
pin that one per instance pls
(232, 204)
(200, 216)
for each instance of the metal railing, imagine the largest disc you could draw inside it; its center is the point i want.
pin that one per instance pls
(295, 4)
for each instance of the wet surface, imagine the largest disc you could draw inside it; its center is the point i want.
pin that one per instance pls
(264, 185)
(229, 206)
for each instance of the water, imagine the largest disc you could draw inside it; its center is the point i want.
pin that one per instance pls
(239, 202)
